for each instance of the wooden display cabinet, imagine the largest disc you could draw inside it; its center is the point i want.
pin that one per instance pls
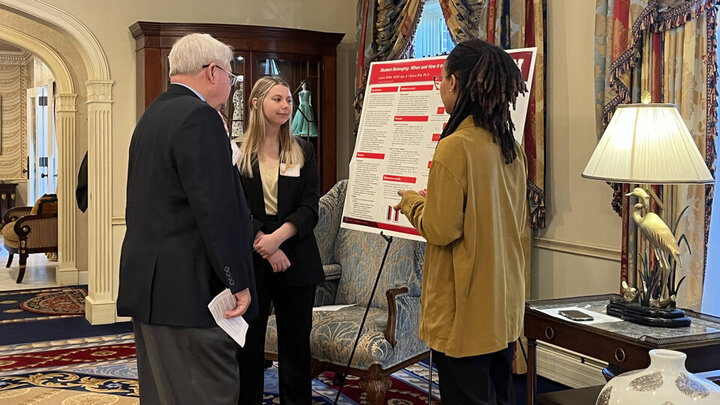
(297, 55)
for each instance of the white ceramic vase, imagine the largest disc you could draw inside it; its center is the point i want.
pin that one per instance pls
(665, 382)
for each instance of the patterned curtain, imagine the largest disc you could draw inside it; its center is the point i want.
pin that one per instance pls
(668, 49)
(13, 99)
(512, 24)
(465, 18)
(385, 29)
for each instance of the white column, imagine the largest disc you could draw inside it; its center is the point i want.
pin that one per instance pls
(99, 304)
(66, 272)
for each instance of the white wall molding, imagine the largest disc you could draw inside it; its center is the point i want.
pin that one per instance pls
(100, 247)
(66, 272)
(582, 249)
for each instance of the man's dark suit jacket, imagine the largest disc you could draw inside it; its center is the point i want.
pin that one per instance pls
(297, 202)
(189, 230)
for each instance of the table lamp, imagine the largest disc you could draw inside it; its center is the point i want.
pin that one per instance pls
(646, 144)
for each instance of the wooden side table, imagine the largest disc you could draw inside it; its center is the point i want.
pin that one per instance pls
(616, 341)
(7, 197)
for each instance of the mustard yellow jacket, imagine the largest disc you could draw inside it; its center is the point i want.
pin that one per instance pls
(475, 219)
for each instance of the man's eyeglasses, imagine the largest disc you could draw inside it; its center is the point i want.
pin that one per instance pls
(437, 80)
(234, 79)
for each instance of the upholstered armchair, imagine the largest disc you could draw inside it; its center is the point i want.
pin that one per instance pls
(29, 230)
(389, 340)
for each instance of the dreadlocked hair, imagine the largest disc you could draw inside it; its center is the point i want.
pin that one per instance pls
(488, 82)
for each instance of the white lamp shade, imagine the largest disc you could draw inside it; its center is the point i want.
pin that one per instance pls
(649, 144)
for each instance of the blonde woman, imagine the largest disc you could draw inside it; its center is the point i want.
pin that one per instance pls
(279, 176)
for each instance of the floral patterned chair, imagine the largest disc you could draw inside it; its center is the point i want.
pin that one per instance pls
(389, 340)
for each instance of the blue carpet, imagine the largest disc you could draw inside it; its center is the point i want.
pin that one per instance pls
(19, 326)
(58, 329)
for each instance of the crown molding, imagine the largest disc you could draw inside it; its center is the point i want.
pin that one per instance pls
(15, 57)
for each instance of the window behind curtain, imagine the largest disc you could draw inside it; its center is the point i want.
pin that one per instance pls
(711, 289)
(432, 37)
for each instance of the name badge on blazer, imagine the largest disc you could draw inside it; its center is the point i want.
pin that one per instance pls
(289, 171)
(235, 152)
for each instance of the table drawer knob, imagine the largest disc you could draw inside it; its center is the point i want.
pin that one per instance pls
(620, 355)
(549, 332)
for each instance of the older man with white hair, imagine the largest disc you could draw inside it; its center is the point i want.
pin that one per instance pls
(189, 234)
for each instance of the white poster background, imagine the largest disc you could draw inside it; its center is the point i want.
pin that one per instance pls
(401, 122)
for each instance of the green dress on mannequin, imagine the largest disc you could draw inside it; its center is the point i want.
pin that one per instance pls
(303, 123)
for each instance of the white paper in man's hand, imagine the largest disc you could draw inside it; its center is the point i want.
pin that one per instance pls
(235, 327)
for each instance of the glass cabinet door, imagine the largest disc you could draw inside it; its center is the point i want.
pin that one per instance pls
(303, 76)
(235, 109)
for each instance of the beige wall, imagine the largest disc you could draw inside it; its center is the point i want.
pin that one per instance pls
(578, 252)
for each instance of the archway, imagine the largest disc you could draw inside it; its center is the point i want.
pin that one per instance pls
(100, 302)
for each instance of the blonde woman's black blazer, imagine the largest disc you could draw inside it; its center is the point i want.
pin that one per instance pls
(297, 203)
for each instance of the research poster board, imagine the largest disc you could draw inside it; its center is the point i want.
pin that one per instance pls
(401, 122)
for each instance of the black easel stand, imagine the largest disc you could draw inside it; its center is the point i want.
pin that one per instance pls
(389, 240)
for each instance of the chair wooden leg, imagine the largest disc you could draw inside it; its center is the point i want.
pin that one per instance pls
(21, 273)
(339, 379)
(10, 257)
(376, 389)
(316, 367)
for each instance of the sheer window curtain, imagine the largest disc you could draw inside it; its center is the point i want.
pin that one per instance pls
(432, 37)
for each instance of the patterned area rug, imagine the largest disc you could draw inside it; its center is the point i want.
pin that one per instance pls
(102, 370)
(64, 357)
(67, 389)
(68, 301)
(407, 387)
(41, 304)
(91, 370)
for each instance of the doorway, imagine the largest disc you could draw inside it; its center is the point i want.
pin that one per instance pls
(83, 111)
(42, 156)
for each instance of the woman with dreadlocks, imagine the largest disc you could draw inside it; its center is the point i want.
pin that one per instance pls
(474, 216)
